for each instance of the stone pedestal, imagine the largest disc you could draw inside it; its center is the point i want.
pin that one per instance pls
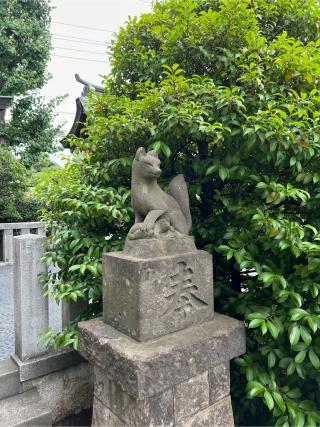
(155, 287)
(180, 379)
(160, 357)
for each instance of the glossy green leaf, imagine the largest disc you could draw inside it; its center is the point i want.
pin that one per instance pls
(269, 400)
(314, 359)
(294, 335)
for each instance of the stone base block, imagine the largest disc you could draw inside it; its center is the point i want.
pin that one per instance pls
(177, 405)
(181, 379)
(146, 298)
(102, 416)
(219, 414)
(145, 369)
(156, 410)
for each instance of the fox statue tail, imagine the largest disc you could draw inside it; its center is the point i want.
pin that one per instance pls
(178, 190)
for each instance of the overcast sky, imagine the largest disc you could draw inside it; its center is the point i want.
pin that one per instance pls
(88, 45)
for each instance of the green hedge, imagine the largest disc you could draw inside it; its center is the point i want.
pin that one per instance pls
(16, 203)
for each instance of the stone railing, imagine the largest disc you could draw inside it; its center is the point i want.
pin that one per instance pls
(56, 383)
(34, 312)
(9, 230)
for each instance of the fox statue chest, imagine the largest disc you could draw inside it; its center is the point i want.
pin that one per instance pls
(148, 197)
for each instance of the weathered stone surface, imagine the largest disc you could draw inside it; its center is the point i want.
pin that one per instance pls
(94, 335)
(156, 410)
(8, 245)
(10, 229)
(191, 396)
(152, 248)
(217, 415)
(26, 409)
(71, 310)
(31, 308)
(9, 378)
(146, 369)
(46, 364)
(6, 310)
(219, 382)
(148, 298)
(102, 416)
(65, 392)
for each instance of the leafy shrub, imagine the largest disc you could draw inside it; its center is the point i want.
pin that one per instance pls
(239, 116)
(80, 214)
(30, 133)
(15, 202)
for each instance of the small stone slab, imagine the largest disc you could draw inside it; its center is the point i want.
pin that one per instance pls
(191, 396)
(154, 248)
(145, 369)
(25, 409)
(9, 378)
(218, 415)
(46, 364)
(102, 416)
(156, 410)
(146, 298)
(219, 382)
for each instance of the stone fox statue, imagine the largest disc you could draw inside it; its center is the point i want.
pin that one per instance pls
(157, 212)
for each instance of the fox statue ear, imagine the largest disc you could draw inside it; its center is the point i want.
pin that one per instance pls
(154, 153)
(140, 152)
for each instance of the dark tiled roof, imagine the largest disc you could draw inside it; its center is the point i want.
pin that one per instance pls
(5, 101)
(80, 116)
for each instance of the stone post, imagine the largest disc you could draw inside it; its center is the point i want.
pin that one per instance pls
(8, 245)
(56, 318)
(160, 355)
(31, 308)
(33, 314)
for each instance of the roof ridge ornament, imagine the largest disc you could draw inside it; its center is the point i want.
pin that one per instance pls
(88, 85)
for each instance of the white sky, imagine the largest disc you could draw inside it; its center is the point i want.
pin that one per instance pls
(107, 15)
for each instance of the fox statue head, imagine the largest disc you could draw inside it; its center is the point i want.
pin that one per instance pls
(146, 165)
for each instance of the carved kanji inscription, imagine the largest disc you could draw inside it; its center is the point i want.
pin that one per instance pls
(181, 292)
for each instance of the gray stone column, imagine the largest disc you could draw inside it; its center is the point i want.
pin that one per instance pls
(31, 307)
(160, 354)
(41, 231)
(55, 310)
(8, 245)
(24, 231)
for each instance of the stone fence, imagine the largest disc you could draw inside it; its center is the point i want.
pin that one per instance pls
(47, 381)
(34, 312)
(9, 230)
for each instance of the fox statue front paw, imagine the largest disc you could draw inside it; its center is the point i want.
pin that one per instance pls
(140, 231)
(146, 226)
(161, 229)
